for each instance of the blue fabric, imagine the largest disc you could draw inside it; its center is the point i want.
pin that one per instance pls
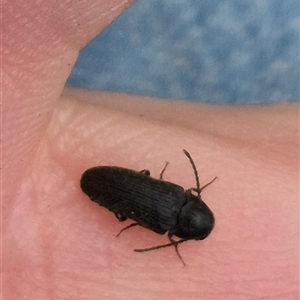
(234, 51)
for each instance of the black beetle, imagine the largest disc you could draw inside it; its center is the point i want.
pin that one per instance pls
(158, 205)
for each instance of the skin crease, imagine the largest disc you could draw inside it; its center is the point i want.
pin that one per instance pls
(57, 244)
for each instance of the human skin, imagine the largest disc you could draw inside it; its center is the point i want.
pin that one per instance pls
(57, 244)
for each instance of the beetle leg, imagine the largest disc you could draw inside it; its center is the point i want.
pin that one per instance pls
(196, 190)
(127, 227)
(145, 172)
(120, 217)
(160, 246)
(208, 183)
(176, 243)
(172, 243)
(162, 172)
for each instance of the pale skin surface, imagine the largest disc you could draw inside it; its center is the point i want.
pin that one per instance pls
(57, 244)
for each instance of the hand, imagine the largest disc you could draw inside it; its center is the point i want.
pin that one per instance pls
(57, 244)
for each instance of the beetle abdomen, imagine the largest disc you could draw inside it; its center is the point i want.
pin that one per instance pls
(150, 202)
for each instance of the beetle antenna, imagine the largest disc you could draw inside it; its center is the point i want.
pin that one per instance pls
(195, 171)
(172, 243)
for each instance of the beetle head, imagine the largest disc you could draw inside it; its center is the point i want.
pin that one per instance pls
(195, 219)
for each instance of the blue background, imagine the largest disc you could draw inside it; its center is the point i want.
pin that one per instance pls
(212, 51)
